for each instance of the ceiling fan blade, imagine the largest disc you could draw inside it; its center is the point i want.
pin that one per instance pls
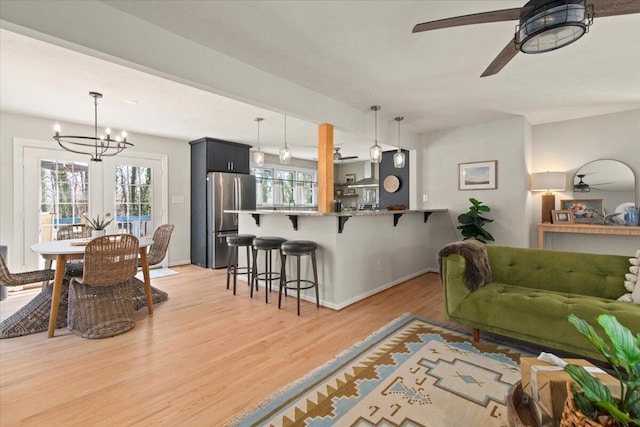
(501, 60)
(476, 18)
(348, 157)
(604, 8)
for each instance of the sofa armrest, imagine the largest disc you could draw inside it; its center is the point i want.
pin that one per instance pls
(454, 288)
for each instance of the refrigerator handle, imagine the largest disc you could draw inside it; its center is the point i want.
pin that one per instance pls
(236, 201)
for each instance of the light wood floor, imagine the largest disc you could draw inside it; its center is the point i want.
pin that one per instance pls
(200, 359)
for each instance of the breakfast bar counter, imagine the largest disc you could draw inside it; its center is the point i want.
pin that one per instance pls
(374, 251)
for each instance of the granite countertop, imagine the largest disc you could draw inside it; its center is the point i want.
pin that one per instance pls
(301, 212)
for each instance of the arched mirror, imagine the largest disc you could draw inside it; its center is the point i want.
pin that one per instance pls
(610, 180)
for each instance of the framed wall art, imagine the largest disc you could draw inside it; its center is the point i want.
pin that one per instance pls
(561, 216)
(589, 211)
(350, 178)
(478, 175)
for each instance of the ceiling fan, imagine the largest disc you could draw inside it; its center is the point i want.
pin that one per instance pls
(544, 25)
(338, 157)
(583, 187)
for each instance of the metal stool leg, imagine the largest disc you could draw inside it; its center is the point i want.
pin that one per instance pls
(298, 280)
(254, 277)
(229, 265)
(283, 278)
(315, 277)
(235, 268)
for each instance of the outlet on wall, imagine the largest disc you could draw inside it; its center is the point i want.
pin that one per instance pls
(425, 197)
(378, 266)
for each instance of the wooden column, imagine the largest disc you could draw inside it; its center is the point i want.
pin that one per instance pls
(325, 167)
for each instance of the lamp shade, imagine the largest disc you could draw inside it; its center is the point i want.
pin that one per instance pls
(548, 181)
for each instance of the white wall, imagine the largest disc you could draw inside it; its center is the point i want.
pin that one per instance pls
(569, 145)
(502, 140)
(178, 152)
(522, 149)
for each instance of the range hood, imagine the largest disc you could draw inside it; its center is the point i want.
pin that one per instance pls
(370, 174)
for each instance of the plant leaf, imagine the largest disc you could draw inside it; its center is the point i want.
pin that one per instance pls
(584, 405)
(592, 387)
(625, 345)
(587, 330)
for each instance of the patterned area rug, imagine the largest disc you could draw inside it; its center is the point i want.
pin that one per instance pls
(413, 372)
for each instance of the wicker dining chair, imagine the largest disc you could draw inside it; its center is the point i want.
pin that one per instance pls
(157, 252)
(158, 249)
(68, 232)
(100, 303)
(74, 231)
(34, 316)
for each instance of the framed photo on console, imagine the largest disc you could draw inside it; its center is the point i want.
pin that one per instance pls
(478, 175)
(585, 211)
(562, 216)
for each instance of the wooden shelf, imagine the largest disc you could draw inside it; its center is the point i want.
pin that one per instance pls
(608, 230)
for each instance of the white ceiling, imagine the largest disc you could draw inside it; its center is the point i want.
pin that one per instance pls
(358, 52)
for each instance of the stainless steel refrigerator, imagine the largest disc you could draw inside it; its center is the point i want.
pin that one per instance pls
(225, 191)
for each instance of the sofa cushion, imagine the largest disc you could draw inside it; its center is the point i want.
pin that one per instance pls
(558, 271)
(540, 316)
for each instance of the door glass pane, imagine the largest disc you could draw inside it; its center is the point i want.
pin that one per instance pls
(133, 201)
(64, 195)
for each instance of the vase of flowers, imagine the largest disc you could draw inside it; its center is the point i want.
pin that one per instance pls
(99, 225)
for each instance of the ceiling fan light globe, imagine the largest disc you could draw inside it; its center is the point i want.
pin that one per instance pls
(551, 24)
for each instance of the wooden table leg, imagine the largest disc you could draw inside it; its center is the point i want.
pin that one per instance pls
(61, 261)
(147, 278)
(540, 238)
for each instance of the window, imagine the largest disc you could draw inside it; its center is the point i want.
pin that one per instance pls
(279, 185)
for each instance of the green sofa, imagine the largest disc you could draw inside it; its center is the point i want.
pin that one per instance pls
(533, 291)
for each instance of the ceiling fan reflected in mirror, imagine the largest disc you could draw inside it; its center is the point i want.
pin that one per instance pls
(583, 187)
(544, 25)
(338, 157)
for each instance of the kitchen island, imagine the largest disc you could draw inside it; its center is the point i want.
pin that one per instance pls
(360, 253)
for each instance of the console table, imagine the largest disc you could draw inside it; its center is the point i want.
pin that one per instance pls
(609, 230)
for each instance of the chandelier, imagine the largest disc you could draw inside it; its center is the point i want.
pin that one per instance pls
(96, 146)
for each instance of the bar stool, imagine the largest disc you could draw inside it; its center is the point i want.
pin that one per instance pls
(298, 248)
(234, 242)
(266, 244)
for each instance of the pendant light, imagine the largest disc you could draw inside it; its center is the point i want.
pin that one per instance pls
(398, 157)
(258, 156)
(285, 153)
(376, 151)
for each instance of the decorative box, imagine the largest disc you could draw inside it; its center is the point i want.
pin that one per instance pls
(546, 383)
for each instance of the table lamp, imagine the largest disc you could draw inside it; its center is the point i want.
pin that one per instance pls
(548, 181)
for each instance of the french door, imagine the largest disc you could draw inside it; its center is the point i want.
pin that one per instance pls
(60, 188)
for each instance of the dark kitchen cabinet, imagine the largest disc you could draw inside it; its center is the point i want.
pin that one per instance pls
(210, 155)
(224, 156)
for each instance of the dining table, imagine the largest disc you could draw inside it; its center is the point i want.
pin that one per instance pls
(65, 250)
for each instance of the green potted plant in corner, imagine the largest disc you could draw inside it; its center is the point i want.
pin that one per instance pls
(99, 225)
(472, 222)
(595, 401)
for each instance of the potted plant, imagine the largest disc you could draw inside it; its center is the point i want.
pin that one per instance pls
(471, 222)
(595, 401)
(99, 224)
